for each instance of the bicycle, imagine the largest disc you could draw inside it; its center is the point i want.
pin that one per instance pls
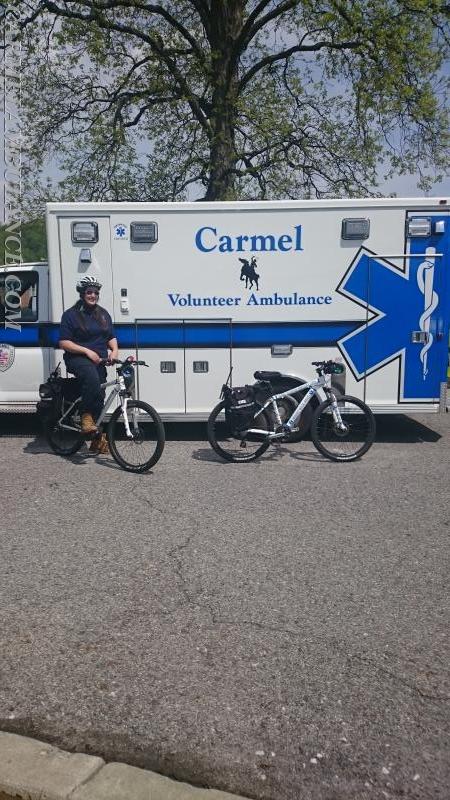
(342, 427)
(135, 431)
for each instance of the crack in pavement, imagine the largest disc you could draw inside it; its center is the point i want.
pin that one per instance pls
(411, 686)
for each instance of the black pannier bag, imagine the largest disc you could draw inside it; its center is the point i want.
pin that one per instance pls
(50, 397)
(240, 407)
(52, 393)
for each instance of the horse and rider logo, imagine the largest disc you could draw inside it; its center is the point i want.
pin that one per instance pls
(248, 273)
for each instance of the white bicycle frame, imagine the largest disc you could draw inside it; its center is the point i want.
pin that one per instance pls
(315, 387)
(119, 387)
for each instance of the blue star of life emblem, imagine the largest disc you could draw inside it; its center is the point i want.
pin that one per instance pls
(397, 302)
(120, 231)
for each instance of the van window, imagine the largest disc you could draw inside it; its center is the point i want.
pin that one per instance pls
(19, 296)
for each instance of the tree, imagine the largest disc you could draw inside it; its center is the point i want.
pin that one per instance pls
(33, 240)
(234, 98)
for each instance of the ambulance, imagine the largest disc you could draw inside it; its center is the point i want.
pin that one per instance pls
(199, 289)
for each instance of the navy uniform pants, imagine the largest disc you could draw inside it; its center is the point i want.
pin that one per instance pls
(90, 376)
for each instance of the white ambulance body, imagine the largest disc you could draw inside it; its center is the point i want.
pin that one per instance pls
(195, 287)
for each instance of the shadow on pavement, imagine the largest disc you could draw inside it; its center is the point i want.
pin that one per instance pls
(390, 428)
(26, 425)
(402, 429)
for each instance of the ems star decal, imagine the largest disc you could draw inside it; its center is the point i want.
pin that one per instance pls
(398, 301)
(120, 231)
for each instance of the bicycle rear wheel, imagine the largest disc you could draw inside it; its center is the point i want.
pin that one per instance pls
(62, 441)
(231, 448)
(143, 449)
(349, 441)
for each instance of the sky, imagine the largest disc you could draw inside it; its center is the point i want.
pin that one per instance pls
(406, 186)
(401, 185)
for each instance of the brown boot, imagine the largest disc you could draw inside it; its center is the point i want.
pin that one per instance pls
(99, 445)
(95, 444)
(87, 423)
(103, 448)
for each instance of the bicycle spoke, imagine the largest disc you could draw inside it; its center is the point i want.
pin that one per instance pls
(348, 438)
(140, 449)
(235, 448)
(63, 440)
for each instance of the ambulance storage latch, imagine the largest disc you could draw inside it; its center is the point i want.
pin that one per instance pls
(419, 337)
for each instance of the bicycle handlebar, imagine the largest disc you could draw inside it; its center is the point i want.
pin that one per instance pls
(129, 360)
(328, 367)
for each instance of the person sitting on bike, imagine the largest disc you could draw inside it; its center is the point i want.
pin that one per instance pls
(88, 340)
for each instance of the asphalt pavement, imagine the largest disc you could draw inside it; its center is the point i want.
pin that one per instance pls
(277, 630)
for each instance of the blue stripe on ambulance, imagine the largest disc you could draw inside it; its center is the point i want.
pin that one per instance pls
(198, 334)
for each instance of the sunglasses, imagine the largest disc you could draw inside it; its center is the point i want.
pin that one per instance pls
(92, 291)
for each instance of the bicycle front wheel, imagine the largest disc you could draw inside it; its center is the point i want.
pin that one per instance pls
(232, 448)
(143, 448)
(347, 439)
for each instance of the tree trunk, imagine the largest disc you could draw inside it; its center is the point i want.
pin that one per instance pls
(226, 19)
(222, 159)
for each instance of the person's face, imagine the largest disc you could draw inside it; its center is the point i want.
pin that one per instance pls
(90, 297)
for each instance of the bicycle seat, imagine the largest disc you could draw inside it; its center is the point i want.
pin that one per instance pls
(266, 376)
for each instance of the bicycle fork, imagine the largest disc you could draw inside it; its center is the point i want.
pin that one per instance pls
(124, 404)
(335, 410)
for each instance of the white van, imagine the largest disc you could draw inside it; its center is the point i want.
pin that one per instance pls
(194, 288)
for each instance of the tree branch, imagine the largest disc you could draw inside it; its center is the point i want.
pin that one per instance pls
(203, 11)
(286, 54)
(252, 26)
(156, 46)
(151, 8)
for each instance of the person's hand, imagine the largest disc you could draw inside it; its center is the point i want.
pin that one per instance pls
(93, 356)
(112, 357)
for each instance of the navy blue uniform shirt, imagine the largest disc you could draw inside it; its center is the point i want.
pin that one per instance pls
(81, 327)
